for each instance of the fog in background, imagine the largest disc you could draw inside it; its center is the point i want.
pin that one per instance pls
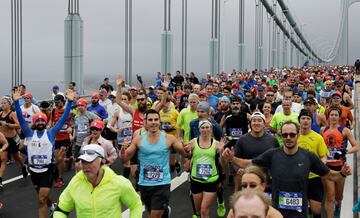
(43, 37)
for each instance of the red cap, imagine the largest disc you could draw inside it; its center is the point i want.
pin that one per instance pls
(203, 94)
(235, 84)
(82, 102)
(97, 124)
(29, 95)
(38, 116)
(95, 95)
(336, 93)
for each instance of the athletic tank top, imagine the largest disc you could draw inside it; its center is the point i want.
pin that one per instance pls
(7, 118)
(154, 161)
(336, 142)
(124, 124)
(137, 122)
(203, 168)
(40, 152)
(314, 125)
(56, 115)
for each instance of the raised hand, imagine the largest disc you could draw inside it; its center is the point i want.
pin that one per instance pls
(228, 154)
(70, 95)
(120, 81)
(16, 95)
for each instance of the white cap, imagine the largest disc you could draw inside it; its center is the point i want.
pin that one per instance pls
(258, 114)
(113, 93)
(90, 152)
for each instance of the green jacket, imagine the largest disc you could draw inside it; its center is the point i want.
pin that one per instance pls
(102, 201)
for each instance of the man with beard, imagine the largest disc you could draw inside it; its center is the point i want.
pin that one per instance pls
(96, 108)
(289, 167)
(153, 148)
(62, 139)
(255, 142)
(184, 99)
(224, 107)
(40, 149)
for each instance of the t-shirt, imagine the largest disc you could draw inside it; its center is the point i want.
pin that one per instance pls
(82, 125)
(167, 119)
(314, 143)
(183, 121)
(213, 101)
(289, 178)
(249, 147)
(278, 120)
(29, 112)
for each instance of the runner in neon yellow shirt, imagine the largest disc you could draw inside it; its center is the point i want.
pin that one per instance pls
(185, 117)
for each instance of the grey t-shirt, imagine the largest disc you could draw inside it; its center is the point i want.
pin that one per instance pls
(82, 125)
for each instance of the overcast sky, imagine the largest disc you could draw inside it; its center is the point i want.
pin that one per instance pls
(43, 35)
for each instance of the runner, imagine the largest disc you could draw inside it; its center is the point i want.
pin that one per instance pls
(96, 191)
(8, 127)
(224, 107)
(28, 108)
(153, 148)
(62, 139)
(336, 137)
(111, 109)
(313, 142)
(318, 120)
(3, 156)
(346, 118)
(204, 174)
(40, 149)
(96, 108)
(289, 189)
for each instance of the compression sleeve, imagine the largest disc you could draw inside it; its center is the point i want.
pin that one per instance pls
(130, 199)
(66, 203)
(23, 124)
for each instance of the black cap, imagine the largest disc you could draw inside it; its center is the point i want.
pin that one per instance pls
(310, 101)
(44, 105)
(304, 112)
(59, 98)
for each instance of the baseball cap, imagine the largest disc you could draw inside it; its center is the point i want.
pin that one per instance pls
(132, 88)
(328, 82)
(44, 105)
(28, 95)
(225, 99)
(203, 105)
(90, 152)
(38, 116)
(55, 87)
(258, 114)
(203, 94)
(304, 112)
(113, 93)
(151, 87)
(82, 102)
(59, 97)
(336, 93)
(261, 88)
(310, 101)
(204, 123)
(97, 124)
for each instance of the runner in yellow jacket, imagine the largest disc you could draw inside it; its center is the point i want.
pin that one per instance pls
(96, 191)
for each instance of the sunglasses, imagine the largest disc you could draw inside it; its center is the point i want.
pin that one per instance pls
(140, 99)
(89, 152)
(95, 129)
(291, 134)
(248, 185)
(269, 95)
(26, 98)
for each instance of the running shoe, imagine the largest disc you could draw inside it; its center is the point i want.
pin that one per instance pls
(59, 183)
(24, 171)
(221, 210)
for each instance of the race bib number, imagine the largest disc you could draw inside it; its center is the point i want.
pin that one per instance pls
(82, 128)
(16, 139)
(291, 201)
(332, 152)
(125, 133)
(203, 171)
(39, 160)
(153, 173)
(235, 133)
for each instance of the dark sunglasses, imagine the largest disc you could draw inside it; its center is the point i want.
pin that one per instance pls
(95, 129)
(248, 185)
(26, 98)
(140, 99)
(89, 152)
(286, 135)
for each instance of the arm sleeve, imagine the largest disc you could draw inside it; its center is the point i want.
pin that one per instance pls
(317, 166)
(130, 198)
(23, 124)
(56, 128)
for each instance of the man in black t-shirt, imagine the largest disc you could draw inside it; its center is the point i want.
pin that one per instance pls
(290, 167)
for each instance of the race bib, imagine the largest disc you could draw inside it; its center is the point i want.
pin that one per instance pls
(38, 160)
(64, 128)
(82, 128)
(125, 133)
(235, 133)
(332, 152)
(203, 171)
(291, 201)
(153, 173)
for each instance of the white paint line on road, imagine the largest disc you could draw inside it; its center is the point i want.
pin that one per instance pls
(176, 182)
(13, 179)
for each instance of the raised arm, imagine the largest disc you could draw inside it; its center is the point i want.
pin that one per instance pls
(127, 152)
(119, 83)
(70, 95)
(23, 124)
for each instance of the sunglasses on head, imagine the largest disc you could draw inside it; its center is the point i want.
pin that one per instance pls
(248, 185)
(89, 152)
(291, 134)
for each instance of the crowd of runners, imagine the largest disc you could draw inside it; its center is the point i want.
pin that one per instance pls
(280, 138)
